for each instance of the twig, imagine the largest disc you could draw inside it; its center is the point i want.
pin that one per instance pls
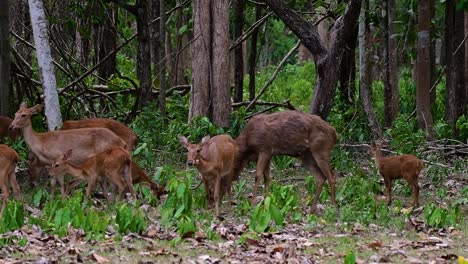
(250, 30)
(273, 77)
(286, 104)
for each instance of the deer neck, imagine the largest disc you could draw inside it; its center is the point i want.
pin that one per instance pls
(204, 165)
(32, 140)
(377, 157)
(74, 170)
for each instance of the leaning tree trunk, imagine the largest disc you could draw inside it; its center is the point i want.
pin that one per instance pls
(46, 68)
(326, 60)
(365, 76)
(144, 52)
(423, 102)
(201, 60)
(238, 54)
(4, 58)
(220, 57)
(162, 55)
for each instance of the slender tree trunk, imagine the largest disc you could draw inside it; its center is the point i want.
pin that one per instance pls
(155, 39)
(459, 66)
(393, 57)
(423, 103)
(450, 100)
(162, 88)
(201, 59)
(179, 61)
(253, 55)
(390, 96)
(4, 58)
(108, 43)
(46, 68)
(220, 57)
(144, 52)
(466, 61)
(365, 80)
(348, 70)
(238, 54)
(433, 56)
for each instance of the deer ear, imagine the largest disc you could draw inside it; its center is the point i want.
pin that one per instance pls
(67, 154)
(183, 141)
(36, 109)
(205, 140)
(23, 105)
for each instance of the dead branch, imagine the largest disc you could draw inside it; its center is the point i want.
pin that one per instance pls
(286, 104)
(250, 30)
(273, 77)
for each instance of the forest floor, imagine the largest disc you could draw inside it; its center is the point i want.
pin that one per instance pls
(403, 238)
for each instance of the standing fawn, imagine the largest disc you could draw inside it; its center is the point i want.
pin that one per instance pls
(49, 146)
(291, 133)
(8, 160)
(113, 165)
(405, 167)
(214, 158)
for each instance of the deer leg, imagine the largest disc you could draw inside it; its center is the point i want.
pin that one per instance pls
(413, 182)
(323, 163)
(216, 194)
(388, 190)
(266, 177)
(263, 160)
(14, 184)
(128, 180)
(5, 194)
(60, 181)
(310, 163)
(91, 182)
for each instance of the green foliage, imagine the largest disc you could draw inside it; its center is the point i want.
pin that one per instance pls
(436, 216)
(13, 217)
(129, 219)
(406, 138)
(350, 258)
(462, 126)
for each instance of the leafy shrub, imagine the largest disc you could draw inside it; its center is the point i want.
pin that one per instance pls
(129, 219)
(13, 217)
(436, 216)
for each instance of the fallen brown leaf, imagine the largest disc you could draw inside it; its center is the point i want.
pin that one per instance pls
(100, 259)
(375, 245)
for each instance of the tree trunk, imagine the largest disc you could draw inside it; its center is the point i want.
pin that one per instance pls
(450, 99)
(4, 58)
(162, 55)
(433, 56)
(238, 54)
(423, 103)
(179, 61)
(46, 68)
(365, 80)
(466, 61)
(155, 39)
(108, 43)
(393, 57)
(348, 70)
(325, 59)
(144, 52)
(253, 55)
(459, 67)
(220, 57)
(201, 59)
(390, 94)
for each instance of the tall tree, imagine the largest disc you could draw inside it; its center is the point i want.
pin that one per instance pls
(201, 59)
(144, 51)
(365, 76)
(46, 67)
(423, 102)
(107, 40)
(4, 58)
(253, 55)
(238, 54)
(220, 57)
(162, 55)
(325, 59)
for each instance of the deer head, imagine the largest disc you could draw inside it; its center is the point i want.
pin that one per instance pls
(23, 116)
(194, 150)
(58, 167)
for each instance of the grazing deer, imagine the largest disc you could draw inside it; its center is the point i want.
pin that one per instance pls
(49, 146)
(5, 123)
(8, 160)
(291, 133)
(405, 167)
(214, 158)
(113, 165)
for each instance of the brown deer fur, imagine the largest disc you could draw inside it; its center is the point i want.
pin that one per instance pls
(113, 165)
(49, 146)
(8, 160)
(214, 158)
(5, 123)
(291, 133)
(405, 167)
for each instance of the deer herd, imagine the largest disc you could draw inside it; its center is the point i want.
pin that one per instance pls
(99, 150)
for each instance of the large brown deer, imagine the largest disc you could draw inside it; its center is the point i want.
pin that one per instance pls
(405, 167)
(291, 133)
(8, 160)
(49, 146)
(5, 123)
(214, 158)
(112, 165)
(121, 130)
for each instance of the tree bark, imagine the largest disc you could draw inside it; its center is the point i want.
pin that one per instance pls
(108, 43)
(4, 58)
(220, 57)
(459, 67)
(201, 60)
(348, 71)
(162, 55)
(423, 103)
(253, 55)
(46, 68)
(144, 51)
(155, 39)
(365, 80)
(325, 60)
(466, 61)
(238, 54)
(393, 58)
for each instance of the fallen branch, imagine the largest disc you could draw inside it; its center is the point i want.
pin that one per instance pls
(286, 104)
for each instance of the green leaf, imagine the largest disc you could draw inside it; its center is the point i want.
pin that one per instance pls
(350, 258)
(183, 29)
(276, 214)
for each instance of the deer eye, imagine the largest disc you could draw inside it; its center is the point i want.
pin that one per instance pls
(198, 150)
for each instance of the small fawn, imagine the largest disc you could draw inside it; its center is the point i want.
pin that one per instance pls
(113, 165)
(405, 167)
(8, 160)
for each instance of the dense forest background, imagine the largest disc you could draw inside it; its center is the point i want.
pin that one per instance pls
(396, 70)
